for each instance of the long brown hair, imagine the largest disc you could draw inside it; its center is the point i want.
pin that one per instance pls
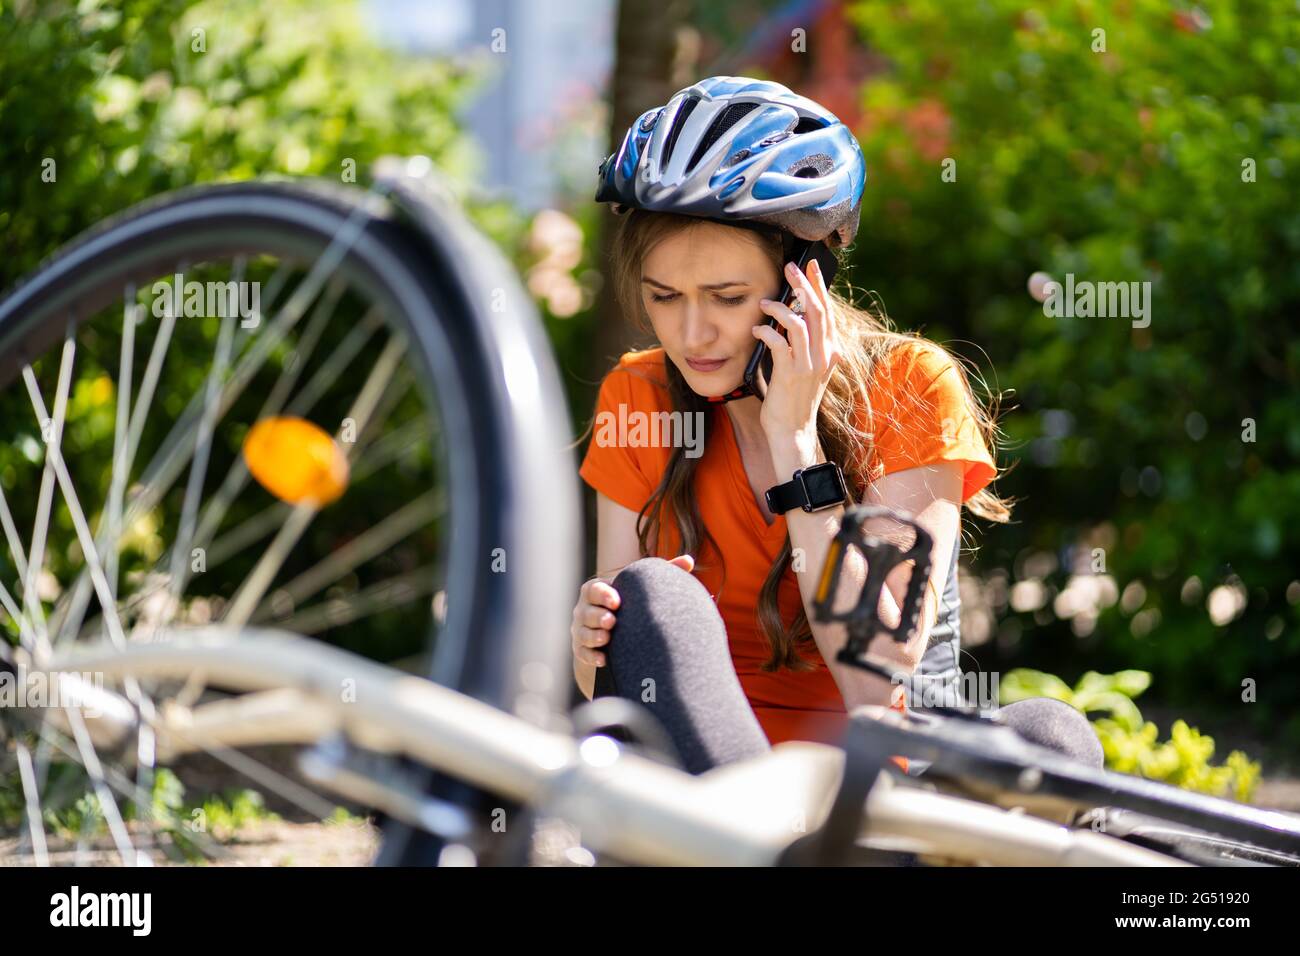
(866, 337)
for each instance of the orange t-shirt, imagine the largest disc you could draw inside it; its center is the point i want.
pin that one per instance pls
(626, 459)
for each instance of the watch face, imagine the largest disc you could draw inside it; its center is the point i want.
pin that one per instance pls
(824, 485)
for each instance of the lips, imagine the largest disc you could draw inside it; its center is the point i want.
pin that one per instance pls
(710, 365)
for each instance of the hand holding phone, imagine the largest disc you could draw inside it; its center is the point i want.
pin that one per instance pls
(758, 371)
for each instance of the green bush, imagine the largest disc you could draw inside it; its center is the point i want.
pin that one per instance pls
(1172, 158)
(123, 102)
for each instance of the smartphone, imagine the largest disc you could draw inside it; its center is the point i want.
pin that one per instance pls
(758, 372)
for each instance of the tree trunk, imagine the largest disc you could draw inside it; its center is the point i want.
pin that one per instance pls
(654, 57)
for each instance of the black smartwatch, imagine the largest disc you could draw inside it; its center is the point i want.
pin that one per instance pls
(813, 489)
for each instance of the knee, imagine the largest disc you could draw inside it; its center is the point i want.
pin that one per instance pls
(650, 569)
(1055, 724)
(647, 580)
(667, 608)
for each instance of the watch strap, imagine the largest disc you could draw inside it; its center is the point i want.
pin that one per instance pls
(786, 497)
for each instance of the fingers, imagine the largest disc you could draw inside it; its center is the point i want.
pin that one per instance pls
(593, 620)
(590, 636)
(589, 615)
(684, 561)
(591, 629)
(601, 593)
(828, 314)
(814, 312)
(819, 280)
(588, 656)
(796, 348)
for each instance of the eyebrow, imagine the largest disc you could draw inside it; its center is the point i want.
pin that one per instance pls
(711, 287)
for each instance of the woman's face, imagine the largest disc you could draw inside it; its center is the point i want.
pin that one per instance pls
(701, 287)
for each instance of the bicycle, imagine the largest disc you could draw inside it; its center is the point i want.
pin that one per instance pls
(485, 736)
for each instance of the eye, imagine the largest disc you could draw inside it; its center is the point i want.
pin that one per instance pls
(664, 298)
(731, 300)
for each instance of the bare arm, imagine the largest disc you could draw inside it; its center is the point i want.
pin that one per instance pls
(931, 494)
(802, 364)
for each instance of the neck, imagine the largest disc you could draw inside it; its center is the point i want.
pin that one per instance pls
(745, 419)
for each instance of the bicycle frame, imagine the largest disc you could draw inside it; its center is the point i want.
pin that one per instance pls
(636, 809)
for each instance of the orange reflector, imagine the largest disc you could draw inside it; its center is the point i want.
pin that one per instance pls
(296, 461)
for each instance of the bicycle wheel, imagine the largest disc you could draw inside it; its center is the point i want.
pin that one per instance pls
(404, 494)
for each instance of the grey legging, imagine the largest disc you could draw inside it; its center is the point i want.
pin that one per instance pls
(668, 652)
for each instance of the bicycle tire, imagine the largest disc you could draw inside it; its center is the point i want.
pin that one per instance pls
(489, 369)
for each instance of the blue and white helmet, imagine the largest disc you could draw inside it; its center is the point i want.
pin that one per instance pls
(735, 148)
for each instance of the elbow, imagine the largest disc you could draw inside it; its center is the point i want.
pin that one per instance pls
(907, 656)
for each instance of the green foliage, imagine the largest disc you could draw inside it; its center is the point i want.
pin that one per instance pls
(232, 810)
(1130, 743)
(126, 107)
(342, 817)
(72, 810)
(1172, 158)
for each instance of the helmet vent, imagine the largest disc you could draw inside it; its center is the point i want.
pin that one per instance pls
(678, 123)
(812, 167)
(728, 118)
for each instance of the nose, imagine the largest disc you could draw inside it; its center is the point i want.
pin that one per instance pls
(698, 332)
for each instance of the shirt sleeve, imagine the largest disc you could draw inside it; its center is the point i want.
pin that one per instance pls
(610, 466)
(930, 420)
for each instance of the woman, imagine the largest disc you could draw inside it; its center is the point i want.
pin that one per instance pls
(707, 622)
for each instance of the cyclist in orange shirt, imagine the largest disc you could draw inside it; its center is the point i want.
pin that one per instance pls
(720, 487)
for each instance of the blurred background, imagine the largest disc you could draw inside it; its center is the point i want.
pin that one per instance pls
(1155, 468)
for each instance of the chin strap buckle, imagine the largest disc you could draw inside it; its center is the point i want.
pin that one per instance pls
(741, 392)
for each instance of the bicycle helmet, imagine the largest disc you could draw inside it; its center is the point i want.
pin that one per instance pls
(732, 148)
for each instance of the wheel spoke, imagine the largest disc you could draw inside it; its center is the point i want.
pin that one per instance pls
(371, 542)
(375, 599)
(330, 370)
(107, 538)
(247, 532)
(52, 432)
(54, 457)
(32, 803)
(199, 466)
(19, 618)
(112, 622)
(107, 805)
(121, 430)
(384, 451)
(11, 536)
